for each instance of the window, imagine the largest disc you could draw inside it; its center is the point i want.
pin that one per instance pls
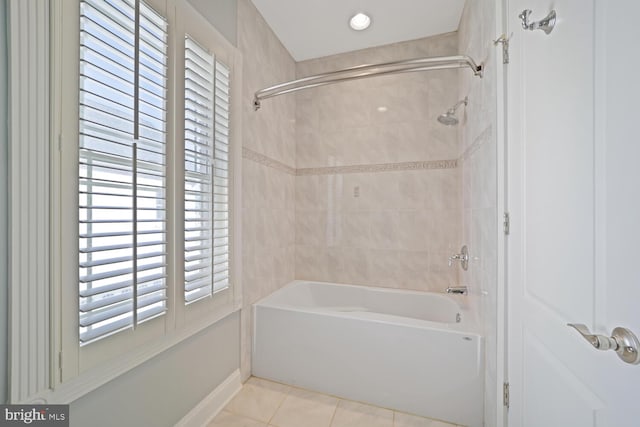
(122, 166)
(206, 190)
(144, 189)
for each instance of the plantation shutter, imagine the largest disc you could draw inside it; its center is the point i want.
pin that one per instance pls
(221, 178)
(206, 173)
(122, 166)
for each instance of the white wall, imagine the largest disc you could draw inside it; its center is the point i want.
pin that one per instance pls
(222, 14)
(3, 202)
(161, 391)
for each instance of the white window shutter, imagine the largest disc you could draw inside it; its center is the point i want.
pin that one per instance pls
(221, 178)
(206, 173)
(122, 172)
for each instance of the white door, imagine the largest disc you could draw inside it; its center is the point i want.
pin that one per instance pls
(574, 198)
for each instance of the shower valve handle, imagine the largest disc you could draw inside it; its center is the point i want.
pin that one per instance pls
(463, 257)
(457, 257)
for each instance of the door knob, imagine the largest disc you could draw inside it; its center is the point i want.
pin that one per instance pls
(622, 341)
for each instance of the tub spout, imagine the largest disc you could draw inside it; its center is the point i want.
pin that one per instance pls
(461, 290)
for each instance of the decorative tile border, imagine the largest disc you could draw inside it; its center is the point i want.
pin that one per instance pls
(267, 161)
(336, 170)
(384, 167)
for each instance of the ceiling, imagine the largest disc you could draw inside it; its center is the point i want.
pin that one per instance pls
(316, 28)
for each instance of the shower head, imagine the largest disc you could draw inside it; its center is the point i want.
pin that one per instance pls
(449, 117)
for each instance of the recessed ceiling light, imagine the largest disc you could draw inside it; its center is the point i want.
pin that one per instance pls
(360, 21)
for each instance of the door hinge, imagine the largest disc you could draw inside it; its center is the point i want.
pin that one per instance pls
(504, 40)
(60, 366)
(506, 224)
(505, 394)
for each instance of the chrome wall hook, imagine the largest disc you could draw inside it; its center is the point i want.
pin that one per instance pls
(504, 40)
(547, 24)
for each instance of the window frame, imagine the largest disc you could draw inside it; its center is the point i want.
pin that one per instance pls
(129, 157)
(77, 370)
(206, 151)
(191, 23)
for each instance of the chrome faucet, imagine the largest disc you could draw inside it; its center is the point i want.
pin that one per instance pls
(463, 257)
(460, 290)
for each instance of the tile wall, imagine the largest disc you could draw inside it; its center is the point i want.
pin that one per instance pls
(377, 196)
(358, 182)
(479, 181)
(267, 170)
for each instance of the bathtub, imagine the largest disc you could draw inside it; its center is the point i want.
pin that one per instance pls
(415, 352)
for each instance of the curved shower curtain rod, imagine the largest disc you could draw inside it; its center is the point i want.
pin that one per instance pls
(365, 71)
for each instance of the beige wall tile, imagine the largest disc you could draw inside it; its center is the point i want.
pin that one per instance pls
(378, 227)
(345, 121)
(351, 229)
(268, 215)
(365, 213)
(392, 229)
(312, 228)
(312, 263)
(478, 146)
(312, 192)
(348, 265)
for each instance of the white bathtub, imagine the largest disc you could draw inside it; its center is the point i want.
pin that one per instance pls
(411, 351)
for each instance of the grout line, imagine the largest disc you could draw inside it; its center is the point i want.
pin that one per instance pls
(478, 142)
(279, 405)
(333, 416)
(249, 417)
(292, 387)
(242, 415)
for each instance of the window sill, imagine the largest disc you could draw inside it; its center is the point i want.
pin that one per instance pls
(92, 379)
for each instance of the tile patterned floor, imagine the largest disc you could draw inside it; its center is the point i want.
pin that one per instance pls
(263, 403)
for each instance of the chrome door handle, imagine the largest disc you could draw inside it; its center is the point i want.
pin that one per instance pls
(546, 24)
(622, 341)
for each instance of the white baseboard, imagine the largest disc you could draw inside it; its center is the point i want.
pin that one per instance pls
(208, 408)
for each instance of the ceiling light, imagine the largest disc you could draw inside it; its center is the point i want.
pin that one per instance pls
(360, 21)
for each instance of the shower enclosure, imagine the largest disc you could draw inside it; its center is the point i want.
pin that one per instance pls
(384, 192)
